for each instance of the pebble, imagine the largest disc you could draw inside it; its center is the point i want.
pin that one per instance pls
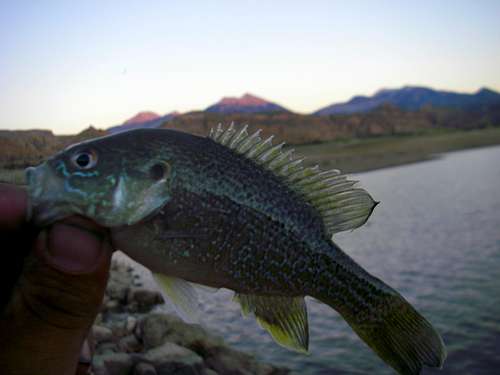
(143, 368)
(144, 298)
(118, 364)
(106, 348)
(170, 353)
(101, 333)
(129, 344)
(157, 328)
(130, 324)
(112, 305)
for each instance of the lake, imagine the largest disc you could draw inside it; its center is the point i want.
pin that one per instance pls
(435, 238)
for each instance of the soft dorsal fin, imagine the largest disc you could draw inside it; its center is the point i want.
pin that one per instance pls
(341, 205)
(285, 318)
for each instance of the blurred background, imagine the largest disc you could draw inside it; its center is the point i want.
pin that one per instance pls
(403, 94)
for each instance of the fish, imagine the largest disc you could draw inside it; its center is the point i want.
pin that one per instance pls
(233, 210)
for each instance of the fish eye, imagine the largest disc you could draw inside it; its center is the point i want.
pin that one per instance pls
(84, 159)
(159, 171)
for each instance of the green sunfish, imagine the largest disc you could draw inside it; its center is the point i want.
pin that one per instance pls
(234, 211)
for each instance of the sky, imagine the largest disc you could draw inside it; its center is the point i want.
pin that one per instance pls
(65, 65)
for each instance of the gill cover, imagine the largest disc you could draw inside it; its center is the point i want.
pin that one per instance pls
(134, 200)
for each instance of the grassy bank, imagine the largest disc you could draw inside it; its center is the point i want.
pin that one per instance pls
(12, 176)
(359, 155)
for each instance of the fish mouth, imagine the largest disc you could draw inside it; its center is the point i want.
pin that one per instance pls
(44, 215)
(44, 196)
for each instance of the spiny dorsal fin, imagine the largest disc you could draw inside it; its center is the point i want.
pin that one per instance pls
(342, 205)
(285, 318)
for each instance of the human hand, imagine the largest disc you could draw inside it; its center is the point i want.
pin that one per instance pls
(55, 284)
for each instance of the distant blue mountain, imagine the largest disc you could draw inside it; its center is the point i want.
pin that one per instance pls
(413, 98)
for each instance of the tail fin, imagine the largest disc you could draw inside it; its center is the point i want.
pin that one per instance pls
(380, 316)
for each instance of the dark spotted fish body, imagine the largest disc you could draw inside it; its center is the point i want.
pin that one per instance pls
(234, 211)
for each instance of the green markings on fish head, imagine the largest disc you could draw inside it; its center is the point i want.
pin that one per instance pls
(113, 180)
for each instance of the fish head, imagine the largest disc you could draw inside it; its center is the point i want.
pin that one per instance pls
(115, 180)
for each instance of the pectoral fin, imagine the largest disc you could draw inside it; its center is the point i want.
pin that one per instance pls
(285, 318)
(182, 294)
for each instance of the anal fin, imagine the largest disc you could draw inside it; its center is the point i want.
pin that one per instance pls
(182, 294)
(204, 288)
(285, 318)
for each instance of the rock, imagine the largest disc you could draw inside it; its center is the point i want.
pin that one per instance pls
(172, 354)
(225, 360)
(158, 328)
(138, 331)
(224, 363)
(172, 359)
(144, 369)
(112, 306)
(144, 299)
(106, 348)
(118, 326)
(101, 333)
(153, 329)
(129, 344)
(117, 289)
(119, 282)
(130, 324)
(99, 371)
(207, 371)
(114, 364)
(176, 369)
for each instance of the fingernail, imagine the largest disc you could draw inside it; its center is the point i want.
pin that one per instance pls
(71, 249)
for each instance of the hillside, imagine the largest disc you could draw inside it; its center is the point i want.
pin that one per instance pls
(382, 121)
(22, 148)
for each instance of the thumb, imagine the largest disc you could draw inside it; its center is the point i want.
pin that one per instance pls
(66, 282)
(57, 297)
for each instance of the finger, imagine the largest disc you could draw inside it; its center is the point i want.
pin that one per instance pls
(13, 205)
(72, 246)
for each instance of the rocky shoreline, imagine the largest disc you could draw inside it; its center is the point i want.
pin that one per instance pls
(130, 337)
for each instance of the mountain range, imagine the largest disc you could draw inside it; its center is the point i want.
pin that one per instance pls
(407, 98)
(413, 98)
(405, 111)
